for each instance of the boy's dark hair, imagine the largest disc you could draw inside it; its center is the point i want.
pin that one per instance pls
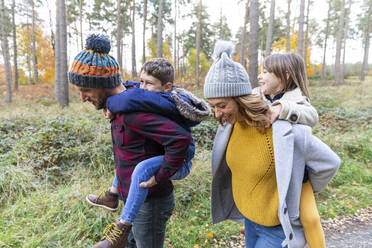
(159, 68)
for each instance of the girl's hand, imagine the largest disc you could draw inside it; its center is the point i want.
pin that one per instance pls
(107, 114)
(149, 183)
(275, 112)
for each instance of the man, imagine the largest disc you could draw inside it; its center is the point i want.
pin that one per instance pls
(136, 137)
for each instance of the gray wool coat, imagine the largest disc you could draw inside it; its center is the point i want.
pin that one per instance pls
(294, 146)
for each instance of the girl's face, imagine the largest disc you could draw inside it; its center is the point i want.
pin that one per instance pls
(269, 83)
(225, 109)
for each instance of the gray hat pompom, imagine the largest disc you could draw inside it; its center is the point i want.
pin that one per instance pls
(222, 47)
(226, 78)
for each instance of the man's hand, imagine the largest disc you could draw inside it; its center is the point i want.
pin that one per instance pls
(275, 112)
(149, 183)
(107, 114)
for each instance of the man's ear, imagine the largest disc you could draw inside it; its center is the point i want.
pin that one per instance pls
(168, 86)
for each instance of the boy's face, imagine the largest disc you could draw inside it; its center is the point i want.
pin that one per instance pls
(151, 83)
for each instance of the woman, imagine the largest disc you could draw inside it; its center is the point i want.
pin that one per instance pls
(257, 168)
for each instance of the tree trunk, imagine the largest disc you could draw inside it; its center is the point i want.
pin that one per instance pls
(366, 45)
(307, 32)
(159, 52)
(134, 68)
(52, 38)
(144, 31)
(81, 23)
(28, 51)
(253, 43)
(61, 81)
(5, 48)
(322, 75)
(269, 36)
(175, 40)
(339, 77)
(198, 37)
(345, 38)
(34, 59)
(300, 36)
(244, 34)
(288, 47)
(118, 35)
(15, 47)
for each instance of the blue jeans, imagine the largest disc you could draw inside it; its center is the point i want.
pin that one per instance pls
(258, 236)
(143, 171)
(148, 230)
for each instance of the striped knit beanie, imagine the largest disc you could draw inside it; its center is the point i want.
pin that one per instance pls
(226, 78)
(93, 67)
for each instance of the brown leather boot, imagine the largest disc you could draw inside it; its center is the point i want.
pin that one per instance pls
(105, 200)
(114, 236)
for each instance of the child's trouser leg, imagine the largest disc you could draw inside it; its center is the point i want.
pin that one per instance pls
(136, 195)
(115, 182)
(183, 172)
(310, 219)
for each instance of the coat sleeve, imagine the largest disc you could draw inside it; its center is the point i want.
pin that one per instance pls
(297, 109)
(323, 163)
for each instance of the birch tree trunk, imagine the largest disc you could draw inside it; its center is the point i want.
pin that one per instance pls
(144, 31)
(198, 38)
(345, 38)
(6, 56)
(119, 28)
(366, 45)
(288, 35)
(34, 59)
(134, 67)
(307, 32)
(81, 23)
(322, 75)
(175, 40)
(339, 77)
(300, 37)
(253, 43)
(15, 62)
(61, 81)
(244, 34)
(269, 36)
(159, 52)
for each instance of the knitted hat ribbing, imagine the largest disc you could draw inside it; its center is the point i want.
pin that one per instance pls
(226, 78)
(93, 67)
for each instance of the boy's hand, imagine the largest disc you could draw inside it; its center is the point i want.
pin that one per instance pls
(149, 183)
(107, 114)
(275, 112)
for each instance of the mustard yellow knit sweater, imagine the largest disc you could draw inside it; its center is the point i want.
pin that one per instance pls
(250, 157)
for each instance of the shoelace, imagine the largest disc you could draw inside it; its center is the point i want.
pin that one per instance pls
(111, 233)
(101, 194)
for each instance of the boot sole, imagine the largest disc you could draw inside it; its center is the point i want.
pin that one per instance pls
(102, 206)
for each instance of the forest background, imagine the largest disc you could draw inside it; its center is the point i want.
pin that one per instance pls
(55, 150)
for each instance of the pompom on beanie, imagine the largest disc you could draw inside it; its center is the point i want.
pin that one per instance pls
(94, 67)
(226, 78)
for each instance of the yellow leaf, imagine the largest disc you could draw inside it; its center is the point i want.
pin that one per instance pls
(209, 235)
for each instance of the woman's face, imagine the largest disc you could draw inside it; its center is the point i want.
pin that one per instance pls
(269, 83)
(225, 109)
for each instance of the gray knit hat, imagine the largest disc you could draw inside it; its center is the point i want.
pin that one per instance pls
(226, 78)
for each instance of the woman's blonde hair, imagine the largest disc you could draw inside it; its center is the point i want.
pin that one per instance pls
(289, 65)
(253, 109)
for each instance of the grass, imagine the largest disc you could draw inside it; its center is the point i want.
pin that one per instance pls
(52, 158)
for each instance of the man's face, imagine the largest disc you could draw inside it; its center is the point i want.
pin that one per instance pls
(97, 97)
(151, 83)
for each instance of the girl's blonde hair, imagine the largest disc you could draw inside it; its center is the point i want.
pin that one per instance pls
(289, 65)
(253, 109)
